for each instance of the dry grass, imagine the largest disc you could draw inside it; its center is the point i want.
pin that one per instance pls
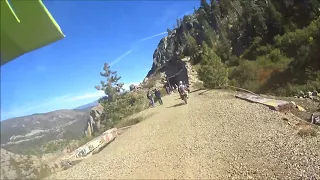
(198, 85)
(306, 130)
(129, 122)
(197, 67)
(152, 80)
(132, 120)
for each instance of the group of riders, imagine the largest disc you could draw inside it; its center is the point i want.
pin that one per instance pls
(150, 96)
(183, 89)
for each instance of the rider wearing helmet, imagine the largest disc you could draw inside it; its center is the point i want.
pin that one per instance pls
(181, 88)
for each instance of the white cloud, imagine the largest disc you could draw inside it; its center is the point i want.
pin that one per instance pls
(51, 104)
(126, 86)
(30, 108)
(96, 94)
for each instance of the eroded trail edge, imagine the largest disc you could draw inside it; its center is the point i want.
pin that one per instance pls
(214, 136)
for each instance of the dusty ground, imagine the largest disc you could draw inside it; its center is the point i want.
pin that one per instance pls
(309, 105)
(215, 136)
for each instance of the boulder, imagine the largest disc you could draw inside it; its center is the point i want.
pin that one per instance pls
(95, 114)
(94, 121)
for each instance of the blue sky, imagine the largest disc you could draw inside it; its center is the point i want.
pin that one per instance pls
(62, 75)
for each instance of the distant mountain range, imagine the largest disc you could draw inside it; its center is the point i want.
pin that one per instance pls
(33, 131)
(87, 106)
(35, 134)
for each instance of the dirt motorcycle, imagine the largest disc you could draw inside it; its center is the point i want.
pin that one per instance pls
(184, 96)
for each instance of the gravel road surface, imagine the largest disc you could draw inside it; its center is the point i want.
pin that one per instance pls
(214, 136)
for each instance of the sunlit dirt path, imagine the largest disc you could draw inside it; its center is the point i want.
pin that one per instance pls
(214, 136)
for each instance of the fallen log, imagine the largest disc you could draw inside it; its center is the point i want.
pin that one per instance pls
(278, 105)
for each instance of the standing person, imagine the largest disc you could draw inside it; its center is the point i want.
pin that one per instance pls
(179, 87)
(158, 95)
(150, 97)
(167, 89)
(170, 89)
(176, 87)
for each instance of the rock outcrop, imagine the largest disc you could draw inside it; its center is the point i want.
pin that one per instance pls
(94, 121)
(168, 57)
(192, 73)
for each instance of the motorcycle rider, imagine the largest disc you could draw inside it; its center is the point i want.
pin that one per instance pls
(182, 89)
(186, 86)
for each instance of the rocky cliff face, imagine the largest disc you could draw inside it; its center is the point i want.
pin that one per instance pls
(94, 121)
(168, 57)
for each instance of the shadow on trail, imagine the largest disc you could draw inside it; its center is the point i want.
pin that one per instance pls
(196, 90)
(203, 92)
(176, 105)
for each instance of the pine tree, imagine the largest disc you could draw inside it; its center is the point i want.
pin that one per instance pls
(112, 88)
(111, 85)
(191, 47)
(209, 34)
(212, 72)
(204, 4)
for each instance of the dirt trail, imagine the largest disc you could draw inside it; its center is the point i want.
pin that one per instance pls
(215, 136)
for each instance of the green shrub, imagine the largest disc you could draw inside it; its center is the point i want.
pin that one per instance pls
(262, 74)
(152, 81)
(150, 84)
(129, 121)
(120, 104)
(213, 73)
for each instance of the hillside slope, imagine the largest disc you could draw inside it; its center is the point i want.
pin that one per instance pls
(214, 136)
(266, 46)
(29, 133)
(14, 166)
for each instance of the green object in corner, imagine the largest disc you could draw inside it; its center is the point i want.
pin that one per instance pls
(26, 26)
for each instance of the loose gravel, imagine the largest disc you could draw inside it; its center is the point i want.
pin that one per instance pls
(214, 136)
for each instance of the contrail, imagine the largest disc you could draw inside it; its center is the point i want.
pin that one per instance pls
(120, 57)
(130, 50)
(150, 37)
